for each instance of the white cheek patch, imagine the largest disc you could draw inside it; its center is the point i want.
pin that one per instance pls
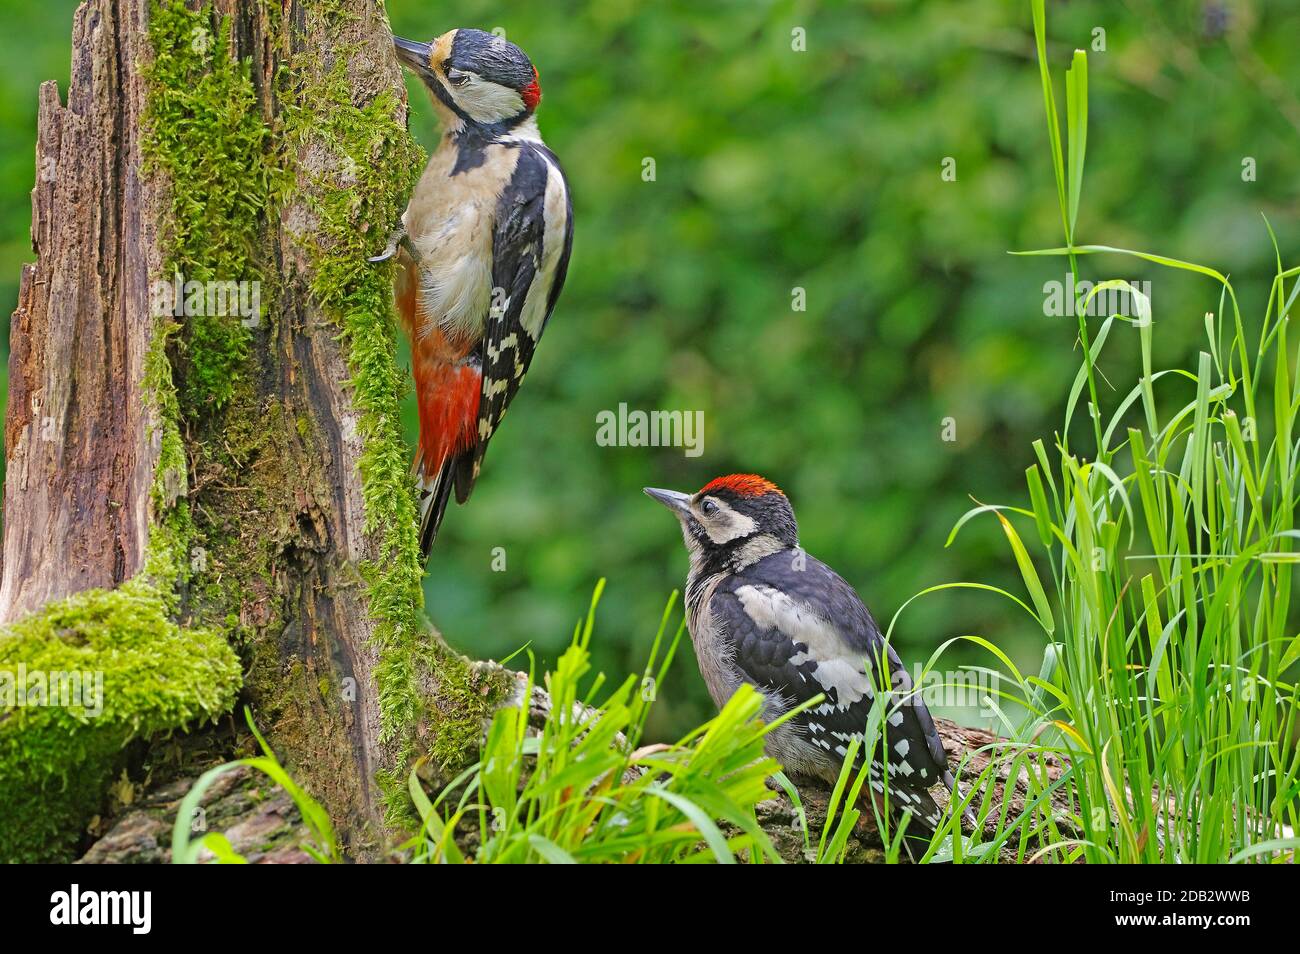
(487, 102)
(727, 525)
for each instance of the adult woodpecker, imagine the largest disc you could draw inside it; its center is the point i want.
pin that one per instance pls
(481, 254)
(761, 611)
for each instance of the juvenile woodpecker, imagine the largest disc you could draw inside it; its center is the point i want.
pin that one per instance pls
(761, 611)
(481, 255)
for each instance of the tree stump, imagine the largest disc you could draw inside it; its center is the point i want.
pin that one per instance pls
(203, 415)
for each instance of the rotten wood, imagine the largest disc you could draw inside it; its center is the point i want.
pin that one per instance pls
(79, 442)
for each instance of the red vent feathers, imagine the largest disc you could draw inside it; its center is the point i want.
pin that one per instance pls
(532, 93)
(743, 485)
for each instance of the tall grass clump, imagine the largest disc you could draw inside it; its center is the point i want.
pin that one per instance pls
(578, 787)
(1157, 554)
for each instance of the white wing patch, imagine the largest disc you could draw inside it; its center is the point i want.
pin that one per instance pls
(837, 668)
(555, 220)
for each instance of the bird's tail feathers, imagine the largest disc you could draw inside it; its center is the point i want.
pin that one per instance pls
(435, 491)
(926, 817)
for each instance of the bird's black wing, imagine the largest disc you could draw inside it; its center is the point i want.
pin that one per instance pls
(798, 629)
(519, 251)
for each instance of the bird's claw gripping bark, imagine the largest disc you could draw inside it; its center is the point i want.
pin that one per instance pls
(399, 237)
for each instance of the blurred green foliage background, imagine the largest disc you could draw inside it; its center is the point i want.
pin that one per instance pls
(819, 169)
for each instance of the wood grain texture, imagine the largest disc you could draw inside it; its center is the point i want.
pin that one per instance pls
(78, 437)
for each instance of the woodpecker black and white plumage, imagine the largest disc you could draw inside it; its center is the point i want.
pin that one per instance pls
(481, 255)
(761, 611)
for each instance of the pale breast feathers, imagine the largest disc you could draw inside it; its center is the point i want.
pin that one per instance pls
(450, 221)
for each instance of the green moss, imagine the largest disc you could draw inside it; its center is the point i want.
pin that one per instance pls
(467, 697)
(206, 135)
(454, 717)
(204, 132)
(356, 197)
(355, 187)
(57, 760)
(204, 129)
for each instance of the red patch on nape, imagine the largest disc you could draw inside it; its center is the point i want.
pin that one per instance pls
(532, 93)
(743, 485)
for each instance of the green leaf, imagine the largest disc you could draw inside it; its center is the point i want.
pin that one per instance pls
(1076, 111)
(1030, 575)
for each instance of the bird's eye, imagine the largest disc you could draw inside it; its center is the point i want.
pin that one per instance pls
(709, 508)
(457, 78)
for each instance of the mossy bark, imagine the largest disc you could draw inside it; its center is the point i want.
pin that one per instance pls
(251, 142)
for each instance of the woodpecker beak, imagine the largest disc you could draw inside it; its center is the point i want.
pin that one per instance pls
(412, 54)
(676, 502)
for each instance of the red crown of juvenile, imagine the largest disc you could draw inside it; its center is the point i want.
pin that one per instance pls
(743, 485)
